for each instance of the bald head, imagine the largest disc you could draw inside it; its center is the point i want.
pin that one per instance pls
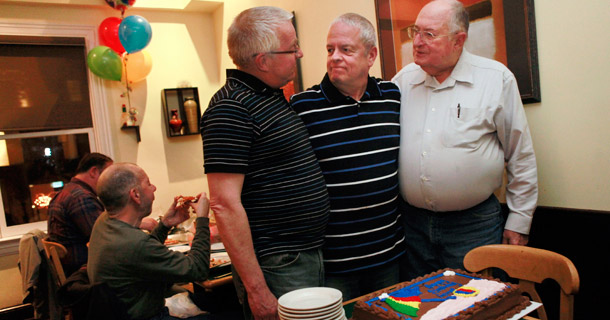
(115, 183)
(457, 18)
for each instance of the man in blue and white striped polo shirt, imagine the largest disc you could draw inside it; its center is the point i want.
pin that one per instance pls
(266, 187)
(353, 123)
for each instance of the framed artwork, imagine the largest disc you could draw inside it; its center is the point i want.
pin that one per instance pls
(503, 30)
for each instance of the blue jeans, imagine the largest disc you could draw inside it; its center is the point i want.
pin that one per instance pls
(437, 240)
(356, 284)
(285, 272)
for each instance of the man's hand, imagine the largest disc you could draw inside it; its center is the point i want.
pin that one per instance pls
(263, 305)
(512, 237)
(148, 224)
(202, 206)
(175, 215)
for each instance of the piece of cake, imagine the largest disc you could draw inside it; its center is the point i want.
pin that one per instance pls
(445, 294)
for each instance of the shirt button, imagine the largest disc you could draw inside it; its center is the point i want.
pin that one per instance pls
(424, 179)
(424, 153)
(433, 109)
(428, 130)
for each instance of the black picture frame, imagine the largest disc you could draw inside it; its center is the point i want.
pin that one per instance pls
(521, 44)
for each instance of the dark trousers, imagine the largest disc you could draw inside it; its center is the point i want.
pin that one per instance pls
(437, 240)
(355, 284)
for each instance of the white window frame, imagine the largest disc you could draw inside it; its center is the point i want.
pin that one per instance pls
(100, 135)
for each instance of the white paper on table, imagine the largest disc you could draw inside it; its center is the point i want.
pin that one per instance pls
(180, 248)
(217, 246)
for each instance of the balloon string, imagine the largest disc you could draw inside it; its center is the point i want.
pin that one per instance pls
(127, 87)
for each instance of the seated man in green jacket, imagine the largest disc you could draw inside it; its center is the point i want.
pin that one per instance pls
(136, 266)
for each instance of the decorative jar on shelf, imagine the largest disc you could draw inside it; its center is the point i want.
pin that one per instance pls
(190, 109)
(175, 122)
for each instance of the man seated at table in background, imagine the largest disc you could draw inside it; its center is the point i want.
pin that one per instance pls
(136, 266)
(73, 211)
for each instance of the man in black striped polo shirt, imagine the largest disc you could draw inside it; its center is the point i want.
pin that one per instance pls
(353, 123)
(266, 187)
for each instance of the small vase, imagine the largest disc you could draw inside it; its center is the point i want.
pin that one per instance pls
(174, 122)
(190, 109)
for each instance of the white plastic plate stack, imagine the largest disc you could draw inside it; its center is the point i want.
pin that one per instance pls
(316, 303)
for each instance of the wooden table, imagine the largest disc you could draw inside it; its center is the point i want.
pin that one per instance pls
(210, 285)
(218, 296)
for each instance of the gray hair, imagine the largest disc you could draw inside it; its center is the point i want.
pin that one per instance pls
(114, 184)
(254, 31)
(459, 19)
(367, 32)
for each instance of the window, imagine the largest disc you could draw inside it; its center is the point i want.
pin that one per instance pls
(55, 114)
(33, 167)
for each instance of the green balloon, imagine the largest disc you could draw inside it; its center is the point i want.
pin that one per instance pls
(105, 63)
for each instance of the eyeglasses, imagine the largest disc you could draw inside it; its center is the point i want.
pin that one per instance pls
(283, 52)
(426, 36)
(295, 51)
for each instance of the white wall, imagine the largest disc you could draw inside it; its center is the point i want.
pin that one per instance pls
(569, 127)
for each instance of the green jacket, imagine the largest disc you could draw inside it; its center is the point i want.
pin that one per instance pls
(139, 268)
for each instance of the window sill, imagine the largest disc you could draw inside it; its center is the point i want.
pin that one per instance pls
(9, 246)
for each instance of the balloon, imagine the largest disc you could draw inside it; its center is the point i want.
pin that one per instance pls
(135, 33)
(128, 3)
(109, 34)
(121, 5)
(105, 63)
(136, 66)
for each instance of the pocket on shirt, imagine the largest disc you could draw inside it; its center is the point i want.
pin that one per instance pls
(466, 130)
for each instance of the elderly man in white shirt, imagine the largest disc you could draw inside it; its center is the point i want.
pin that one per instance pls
(462, 123)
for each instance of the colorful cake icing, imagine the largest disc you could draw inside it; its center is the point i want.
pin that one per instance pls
(446, 294)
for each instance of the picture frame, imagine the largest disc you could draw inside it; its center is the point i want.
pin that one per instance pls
(514, 33)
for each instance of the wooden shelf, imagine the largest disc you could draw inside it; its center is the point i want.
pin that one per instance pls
(135, 128)
(173, 101)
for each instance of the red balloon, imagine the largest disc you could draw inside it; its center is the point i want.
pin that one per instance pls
(109, 34)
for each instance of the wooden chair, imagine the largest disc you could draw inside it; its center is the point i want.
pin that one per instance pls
(55, 251)
(529, 266)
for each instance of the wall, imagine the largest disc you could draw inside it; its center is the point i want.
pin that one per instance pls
(569, 127)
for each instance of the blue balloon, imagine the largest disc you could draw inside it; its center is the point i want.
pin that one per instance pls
(134, 33)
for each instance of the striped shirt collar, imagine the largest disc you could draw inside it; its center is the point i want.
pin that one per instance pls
(333, 95)
(252, 82)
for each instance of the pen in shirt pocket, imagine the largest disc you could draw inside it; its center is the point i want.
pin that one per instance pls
(459, 110)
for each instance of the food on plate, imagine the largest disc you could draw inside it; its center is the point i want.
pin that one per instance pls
(218, 259)
(169, 242)
(185, 200)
